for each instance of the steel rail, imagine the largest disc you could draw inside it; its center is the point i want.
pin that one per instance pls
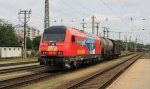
(102, 79)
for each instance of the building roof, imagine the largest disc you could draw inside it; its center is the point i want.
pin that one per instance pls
(10, 46)
(18, 26)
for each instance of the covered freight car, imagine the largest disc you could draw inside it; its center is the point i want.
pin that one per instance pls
(117, 47)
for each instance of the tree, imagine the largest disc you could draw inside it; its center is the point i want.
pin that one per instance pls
(29, 44)
(36, 43)
(20, 39)
(7, 34)
(147, 46)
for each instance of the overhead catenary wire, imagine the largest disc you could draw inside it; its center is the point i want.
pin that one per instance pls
(72, 8)
(83, 7)
(13, 9)
(101, 1)
(66, 15)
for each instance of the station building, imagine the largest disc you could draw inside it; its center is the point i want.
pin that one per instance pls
(10, 51)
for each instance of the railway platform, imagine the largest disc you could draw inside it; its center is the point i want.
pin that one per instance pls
(136, 77)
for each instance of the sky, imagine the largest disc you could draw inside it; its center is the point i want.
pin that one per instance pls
(117, 12)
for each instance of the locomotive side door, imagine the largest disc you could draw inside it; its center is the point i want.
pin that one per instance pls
(73, 45)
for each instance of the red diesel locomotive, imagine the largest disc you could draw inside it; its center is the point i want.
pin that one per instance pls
(63, 47)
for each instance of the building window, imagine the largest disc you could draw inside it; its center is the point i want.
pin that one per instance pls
(4, 48)
(9, 48)
(18, 49)
(14, 48)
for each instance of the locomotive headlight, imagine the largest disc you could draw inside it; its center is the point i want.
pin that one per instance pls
(53, 44)
(44, 52)
(60, 53)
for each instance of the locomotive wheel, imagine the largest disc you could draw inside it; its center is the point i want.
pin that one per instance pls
(99, 58)
(74, 64)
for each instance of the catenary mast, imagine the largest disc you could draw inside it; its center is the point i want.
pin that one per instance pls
(46, 19)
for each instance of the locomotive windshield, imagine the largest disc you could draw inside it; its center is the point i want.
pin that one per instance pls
(56, 34)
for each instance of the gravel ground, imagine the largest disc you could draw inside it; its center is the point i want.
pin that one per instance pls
(65, 78)
(6, 76)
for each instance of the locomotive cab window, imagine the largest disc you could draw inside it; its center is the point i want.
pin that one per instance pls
(56, 34)
(73, 38)
(57, 37)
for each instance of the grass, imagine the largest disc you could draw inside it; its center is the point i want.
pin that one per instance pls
(17, 60)
(125, 52)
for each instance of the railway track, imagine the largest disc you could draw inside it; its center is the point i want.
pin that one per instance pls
(7, 84)
(2, 71)
(102, 79)
(25, 67)
(23, 80)
(19, 69)
(27, 79)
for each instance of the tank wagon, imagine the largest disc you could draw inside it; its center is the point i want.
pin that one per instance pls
(63, 47)
(110, 48)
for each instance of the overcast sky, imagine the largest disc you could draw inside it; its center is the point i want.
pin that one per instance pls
(118, 12)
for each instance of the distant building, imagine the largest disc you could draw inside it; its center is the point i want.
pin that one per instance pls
(10, 51)
(30, 31)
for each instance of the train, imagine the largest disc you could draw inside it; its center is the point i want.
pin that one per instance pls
(62, 47)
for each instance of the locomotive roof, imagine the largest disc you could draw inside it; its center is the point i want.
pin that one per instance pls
(56, 29)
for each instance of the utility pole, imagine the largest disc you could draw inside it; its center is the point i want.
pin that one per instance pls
(97, 26)
(124, 38)
(46, 19)
(142, 46)
(130, 38)
(104, 31)
(135, 49)
(61, 20)
(93, 24)
(126, 43)
(26, 18)
(130, 44)
(119, 35)
(83, 24)
(108, 32)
